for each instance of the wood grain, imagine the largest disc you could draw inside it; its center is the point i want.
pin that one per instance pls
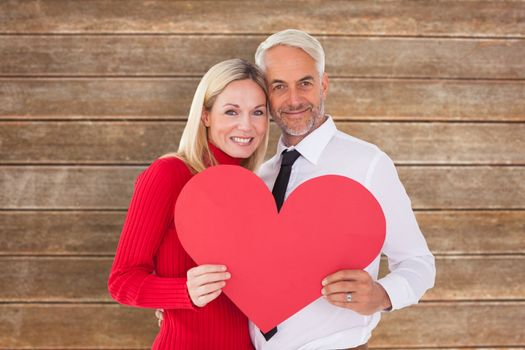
(110, 187)
(488, 324)
(60, 233)
(476, 278)
(96, 233)
(141, 142)
(93, 91)
(474, 232)
(443, 18)
(84, 279)
(80, 326)
(464, 187)
(67, 187)
(131, 98)
(192, 55)
(42, 279)
(452, 325)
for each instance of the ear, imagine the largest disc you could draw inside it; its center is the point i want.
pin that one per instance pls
(324, 84)
(205, 117)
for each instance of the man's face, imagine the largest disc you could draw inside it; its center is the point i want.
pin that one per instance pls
(296, 92)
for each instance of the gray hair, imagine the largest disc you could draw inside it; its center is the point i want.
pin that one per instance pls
(293, 38)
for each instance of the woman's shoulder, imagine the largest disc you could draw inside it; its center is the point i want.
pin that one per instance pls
(169, 167)
(169, 161)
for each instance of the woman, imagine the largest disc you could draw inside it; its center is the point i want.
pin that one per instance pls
(227, 124)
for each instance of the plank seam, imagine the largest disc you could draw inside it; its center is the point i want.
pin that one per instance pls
(318, 35)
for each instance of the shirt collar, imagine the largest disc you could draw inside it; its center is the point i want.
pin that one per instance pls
(313, 145)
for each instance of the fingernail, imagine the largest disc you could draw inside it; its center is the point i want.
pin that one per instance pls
(323, 291)
(223, 268)
(324, 282)
(228, 275)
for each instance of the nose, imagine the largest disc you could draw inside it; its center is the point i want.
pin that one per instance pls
(245, 122)
(293, 96)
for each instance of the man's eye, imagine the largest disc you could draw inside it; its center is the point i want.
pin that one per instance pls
(278, 87)
(306, 83)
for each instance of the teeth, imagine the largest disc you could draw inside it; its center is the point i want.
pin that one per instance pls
(241, 139)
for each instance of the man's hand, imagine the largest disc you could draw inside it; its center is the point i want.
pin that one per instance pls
(367, 296)
(205, 283)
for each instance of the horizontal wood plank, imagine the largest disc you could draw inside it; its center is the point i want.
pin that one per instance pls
(83, 326)
(190, 55)
(67, 187)
(452, 325)
(60, 233)
(447, 18)
(127, 98)
(474, 232)
(464, 187)
(111, 326)
(141, 142)
(110, 187)
(475, 278)
(84, 279)
(92, 233)
(29, 279)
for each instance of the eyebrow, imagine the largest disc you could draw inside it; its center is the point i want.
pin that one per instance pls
(276, 81)
(237, 106)
(308, 77)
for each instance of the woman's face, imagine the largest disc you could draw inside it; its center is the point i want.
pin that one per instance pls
(238, 119)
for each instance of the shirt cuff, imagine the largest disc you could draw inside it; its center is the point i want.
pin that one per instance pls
(398, 291)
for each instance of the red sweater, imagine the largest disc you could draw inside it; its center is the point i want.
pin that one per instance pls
(150, 267)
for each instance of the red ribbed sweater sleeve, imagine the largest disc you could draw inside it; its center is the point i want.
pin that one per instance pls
(132, 280)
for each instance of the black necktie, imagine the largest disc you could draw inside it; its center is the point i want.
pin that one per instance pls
(278, 191)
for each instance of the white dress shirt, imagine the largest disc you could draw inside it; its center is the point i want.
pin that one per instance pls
(321, 325)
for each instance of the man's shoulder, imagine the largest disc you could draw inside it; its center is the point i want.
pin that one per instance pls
(343, 142)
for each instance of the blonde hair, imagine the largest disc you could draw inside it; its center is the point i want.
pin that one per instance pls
(193, 146)
(293, 38)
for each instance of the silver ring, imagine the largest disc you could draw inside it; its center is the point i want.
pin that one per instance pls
(349, 297)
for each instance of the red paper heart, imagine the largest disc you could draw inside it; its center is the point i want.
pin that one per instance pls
(226, 215)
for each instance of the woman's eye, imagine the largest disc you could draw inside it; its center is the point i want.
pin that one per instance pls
(258, 112)
(230, 112)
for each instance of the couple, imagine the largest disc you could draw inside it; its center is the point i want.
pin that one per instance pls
(228, 124)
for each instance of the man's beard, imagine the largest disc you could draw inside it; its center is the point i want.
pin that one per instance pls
(316, 114)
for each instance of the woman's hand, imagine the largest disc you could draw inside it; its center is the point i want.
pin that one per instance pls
(205, 283)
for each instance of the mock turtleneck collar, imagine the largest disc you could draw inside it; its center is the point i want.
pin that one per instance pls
(222, 157)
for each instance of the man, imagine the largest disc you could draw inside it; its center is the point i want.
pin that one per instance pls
(345, 316)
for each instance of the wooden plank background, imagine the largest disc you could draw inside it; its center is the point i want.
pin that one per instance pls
(92, 92)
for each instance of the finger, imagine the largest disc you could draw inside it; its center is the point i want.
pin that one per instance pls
(203, 269)
(342, 275)
(205, 299)
(342, 298)
(208, 278)
(340, 287)
(350, 306)
(209, 288)
(159, 313)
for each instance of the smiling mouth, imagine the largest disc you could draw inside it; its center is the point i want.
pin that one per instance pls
(296, 112)
(242, 140)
